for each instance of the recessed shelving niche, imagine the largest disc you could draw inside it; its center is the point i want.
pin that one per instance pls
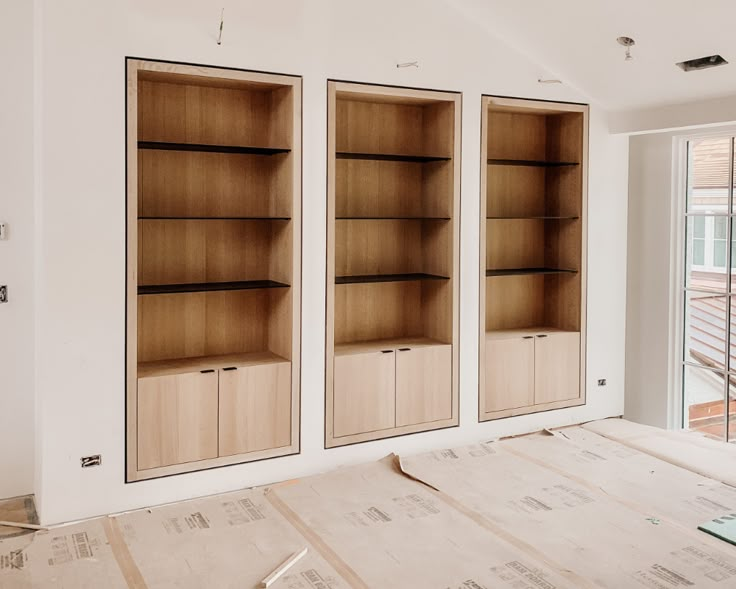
(214, 169)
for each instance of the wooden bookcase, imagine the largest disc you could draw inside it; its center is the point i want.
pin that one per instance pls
(392, 261)
(534, 158)
(213, 256)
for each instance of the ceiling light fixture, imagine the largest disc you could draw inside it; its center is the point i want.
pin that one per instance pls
(627, 42)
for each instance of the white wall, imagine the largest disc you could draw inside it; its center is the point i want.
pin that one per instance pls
(16, 254)
(648, 329)
(81, 307)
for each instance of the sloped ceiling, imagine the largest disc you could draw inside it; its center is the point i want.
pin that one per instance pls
(576, 40)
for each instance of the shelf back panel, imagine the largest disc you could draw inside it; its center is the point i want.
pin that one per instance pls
(186, 113)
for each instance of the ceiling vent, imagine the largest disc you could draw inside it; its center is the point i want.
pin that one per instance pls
(701, 63)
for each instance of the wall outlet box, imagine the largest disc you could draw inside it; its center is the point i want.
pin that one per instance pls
(89, 461)
(3, 231)
(601, 382)
(3, 294)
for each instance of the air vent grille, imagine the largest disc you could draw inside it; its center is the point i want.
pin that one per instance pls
(701, 63)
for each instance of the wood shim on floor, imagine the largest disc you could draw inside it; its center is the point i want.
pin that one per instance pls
(609, 504)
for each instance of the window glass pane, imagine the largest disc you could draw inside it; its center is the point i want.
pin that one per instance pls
(698, 252)
(699, 227)
(705, 329)
(720, 228)
(708, 165)
(719, 254)
(701, 270)
(704, 401)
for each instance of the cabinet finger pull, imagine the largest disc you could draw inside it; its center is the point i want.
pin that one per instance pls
(231, 368)
(387, 351)
(542, 335)
(207, 371)
(404, 349)
(528, 337)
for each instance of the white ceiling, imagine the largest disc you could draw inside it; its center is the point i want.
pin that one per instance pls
(576, 41)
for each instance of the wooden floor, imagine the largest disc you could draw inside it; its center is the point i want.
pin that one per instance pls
(608, 504)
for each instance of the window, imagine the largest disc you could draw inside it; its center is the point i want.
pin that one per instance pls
(709, 346)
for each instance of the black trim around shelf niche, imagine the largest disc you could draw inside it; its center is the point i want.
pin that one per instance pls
(535, 218)
(391, 157)
(534, 163)
(153, 289)
(214, 218)
(526, 271)
(242, 149)
(369, 278)
(393, 218)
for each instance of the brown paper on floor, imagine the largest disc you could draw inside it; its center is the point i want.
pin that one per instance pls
(222, 542)
(579, 528)
(397, 533)
(78, 556)
(651, 485)
(689, 450)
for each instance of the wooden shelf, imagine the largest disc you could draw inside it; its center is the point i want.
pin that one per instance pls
(153, 289)
(391, 157)
(214, 218)
(525, 271)
(242, 149)
(534, 217)
(392, 242)
(385, 344)
(533, 163)
(392, 218)
(532, 330)
(387, 278)
(199, 363)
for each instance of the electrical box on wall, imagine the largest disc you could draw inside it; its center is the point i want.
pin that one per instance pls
(3, 231)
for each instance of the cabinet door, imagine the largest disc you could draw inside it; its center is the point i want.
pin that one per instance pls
(255, 408)
(509, 373)
(177, 419)
(364, 392)
(557, 367)
(423, 384)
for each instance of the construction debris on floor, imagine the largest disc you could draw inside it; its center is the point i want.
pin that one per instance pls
(607, 504)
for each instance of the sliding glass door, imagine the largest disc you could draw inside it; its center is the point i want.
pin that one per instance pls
(709, 350)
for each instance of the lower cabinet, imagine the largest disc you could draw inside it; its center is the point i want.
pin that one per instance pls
(423, 384)
(365, 392)
(556, 367)
(529, 369)
(255, 408)
(177, 419)
(213, 413)
(389, 388)
(509, 373)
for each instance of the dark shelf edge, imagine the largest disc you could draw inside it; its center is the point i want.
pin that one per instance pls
(208, 287)
(537, 218)
(390, 157)
(214, 218)
(393, 218)
(528, 271)
(377, 278)
(241, 149)
(533, 163)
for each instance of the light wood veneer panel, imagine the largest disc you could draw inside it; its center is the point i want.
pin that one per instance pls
(177, 419)
(255, 408)
(423, 384)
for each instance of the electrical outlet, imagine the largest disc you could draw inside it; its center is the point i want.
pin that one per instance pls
(601, 382)
(3, 294)
(89, 461)
(3, 230)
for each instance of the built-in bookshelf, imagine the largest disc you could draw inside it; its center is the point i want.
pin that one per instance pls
(533, 211)
(392, 278)
(214, 253)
